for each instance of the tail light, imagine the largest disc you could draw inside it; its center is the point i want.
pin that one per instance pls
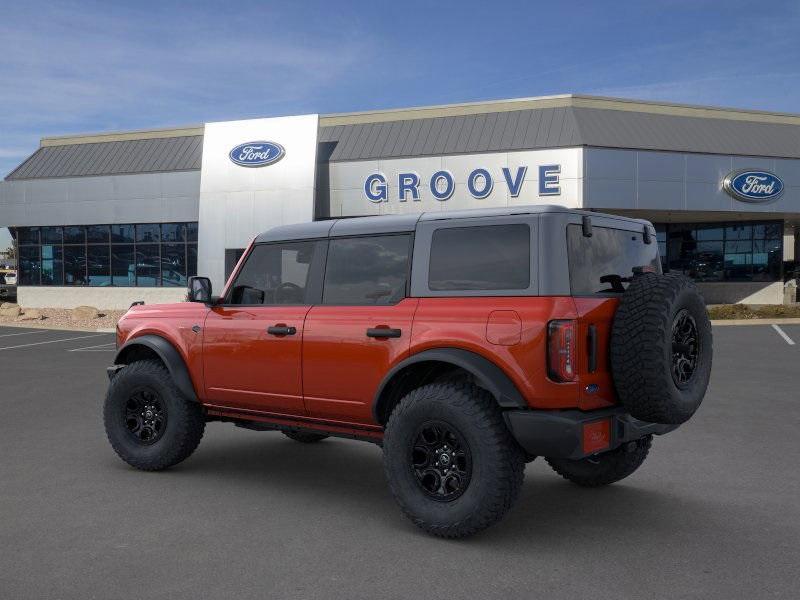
(561, 350)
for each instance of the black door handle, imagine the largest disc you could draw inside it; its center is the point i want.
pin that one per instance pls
(281, 330)
(383, 332)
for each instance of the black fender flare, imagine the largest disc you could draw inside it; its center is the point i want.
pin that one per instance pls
(488, 375)
(169, 355)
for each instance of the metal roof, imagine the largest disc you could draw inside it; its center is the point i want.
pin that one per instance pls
(561, 127)
(182, 153)
(503, 125)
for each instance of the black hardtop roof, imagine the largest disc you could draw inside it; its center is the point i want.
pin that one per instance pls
(378, 224)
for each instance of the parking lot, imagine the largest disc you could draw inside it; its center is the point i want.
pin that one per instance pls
(713, 513)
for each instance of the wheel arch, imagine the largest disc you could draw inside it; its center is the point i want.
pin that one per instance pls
(155, 346)
(428, 365)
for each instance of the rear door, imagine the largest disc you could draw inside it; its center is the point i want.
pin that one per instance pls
(253, 338)
(361, 328)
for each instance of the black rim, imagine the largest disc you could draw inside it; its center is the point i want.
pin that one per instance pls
(441, 461)
(145, 416)
(685, 348)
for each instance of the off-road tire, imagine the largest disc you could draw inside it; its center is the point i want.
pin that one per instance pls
(305, 437)
(642, 348)
(185, 421)
(498, 463)
(606, 468)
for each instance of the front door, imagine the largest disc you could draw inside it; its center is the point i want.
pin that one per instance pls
(253, 337)
(361, 328)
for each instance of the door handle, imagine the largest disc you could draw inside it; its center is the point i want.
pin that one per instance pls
(281, 330)
(383, 332)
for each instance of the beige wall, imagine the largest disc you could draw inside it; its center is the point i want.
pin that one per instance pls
(109, 298)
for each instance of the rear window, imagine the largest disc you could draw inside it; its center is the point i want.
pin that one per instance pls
(604, 263)
(489, 257)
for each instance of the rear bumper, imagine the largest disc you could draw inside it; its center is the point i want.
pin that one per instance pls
(575, 434)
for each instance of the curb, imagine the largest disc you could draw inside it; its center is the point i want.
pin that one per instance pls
(773, 321)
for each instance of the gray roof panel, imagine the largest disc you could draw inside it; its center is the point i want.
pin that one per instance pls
(181, 153)
(560, 127)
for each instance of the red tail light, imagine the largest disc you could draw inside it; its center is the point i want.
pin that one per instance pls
(561, 350)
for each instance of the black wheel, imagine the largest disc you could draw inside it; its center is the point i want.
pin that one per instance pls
(150, 425)
(451, 464)
(661, 348)
(306, 437)
(606, 468)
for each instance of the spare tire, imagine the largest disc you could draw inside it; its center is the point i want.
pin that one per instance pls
(661, 348)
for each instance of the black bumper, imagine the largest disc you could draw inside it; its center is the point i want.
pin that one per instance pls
(560, 433)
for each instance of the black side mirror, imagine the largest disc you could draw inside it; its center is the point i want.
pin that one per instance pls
(200, 290)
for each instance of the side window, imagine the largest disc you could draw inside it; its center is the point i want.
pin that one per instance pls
(274, 274)
(488, 257)
(367, 270)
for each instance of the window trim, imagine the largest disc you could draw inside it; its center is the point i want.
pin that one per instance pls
(409, 266)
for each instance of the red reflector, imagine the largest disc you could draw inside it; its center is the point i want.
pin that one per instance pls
(596, 436)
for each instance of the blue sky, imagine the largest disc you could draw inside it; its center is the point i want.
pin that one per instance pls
(74, 67)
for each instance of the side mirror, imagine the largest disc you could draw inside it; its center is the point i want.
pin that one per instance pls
(200, 290)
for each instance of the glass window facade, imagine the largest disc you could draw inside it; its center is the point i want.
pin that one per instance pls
(738, 251)
(143, 255)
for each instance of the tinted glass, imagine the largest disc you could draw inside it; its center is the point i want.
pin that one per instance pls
(191, 232)
(123, 265)
(52, 265)
(97, 234)
(173, 265)
(604, 263)
(191, 260)
(74, 235)
(28, 235)
(274, 274)
(122, 234)
(172, 232)
(75, 265)
(29, 265)
(51, 235)
(148, 265)
(99, 265)
(367, 270)
(492, 257)
(148, 233)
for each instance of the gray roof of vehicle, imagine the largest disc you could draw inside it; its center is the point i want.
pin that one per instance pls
(386, 224)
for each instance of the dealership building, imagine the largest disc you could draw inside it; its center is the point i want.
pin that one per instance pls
(109, 218)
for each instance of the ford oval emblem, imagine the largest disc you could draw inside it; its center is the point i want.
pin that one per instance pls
(257, 154)
(753, 186)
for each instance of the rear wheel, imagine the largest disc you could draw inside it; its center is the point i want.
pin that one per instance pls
(451, 463)
(149, 423)
(305, 437)
(606, 468)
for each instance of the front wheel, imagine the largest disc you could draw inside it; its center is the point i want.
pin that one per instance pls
(450, 461)
(606, 468)
(149, 423)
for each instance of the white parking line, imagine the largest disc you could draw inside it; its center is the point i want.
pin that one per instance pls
(97, 348)
(782, 333)
(83, 337)
(24, 333)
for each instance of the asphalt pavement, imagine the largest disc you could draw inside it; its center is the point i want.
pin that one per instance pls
(713, 512)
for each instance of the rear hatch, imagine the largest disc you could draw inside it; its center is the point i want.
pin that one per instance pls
(602, 261)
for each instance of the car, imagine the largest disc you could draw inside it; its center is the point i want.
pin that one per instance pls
(465, 343)
(8, 283)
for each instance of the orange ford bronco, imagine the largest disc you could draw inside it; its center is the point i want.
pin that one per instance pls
(465, 343)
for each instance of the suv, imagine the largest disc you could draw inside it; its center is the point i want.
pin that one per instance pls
(465, 343)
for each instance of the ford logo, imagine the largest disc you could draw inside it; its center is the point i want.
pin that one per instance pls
(257, 154)
(753, 186)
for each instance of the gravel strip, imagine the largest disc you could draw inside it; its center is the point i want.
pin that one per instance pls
(61, 318)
